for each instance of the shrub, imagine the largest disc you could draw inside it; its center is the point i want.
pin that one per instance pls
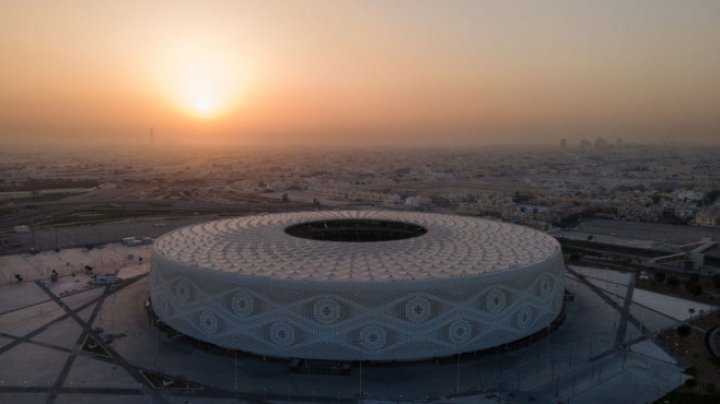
(673, 281)
(695, 278)
(683, 330)
(660, 276)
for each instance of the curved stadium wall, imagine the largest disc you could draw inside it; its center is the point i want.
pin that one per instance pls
(357, 285)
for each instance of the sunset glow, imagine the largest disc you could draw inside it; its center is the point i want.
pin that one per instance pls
(325, 72)
(204, 107)
(199, 78)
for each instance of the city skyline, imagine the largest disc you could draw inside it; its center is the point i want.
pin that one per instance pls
(359, 201)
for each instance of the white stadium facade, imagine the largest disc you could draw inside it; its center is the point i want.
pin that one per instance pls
(357, 285)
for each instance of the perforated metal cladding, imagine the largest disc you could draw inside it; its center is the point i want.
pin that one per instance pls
(414, 315)
(453, 246)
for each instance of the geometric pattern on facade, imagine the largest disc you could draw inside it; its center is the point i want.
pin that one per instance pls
(413, 315)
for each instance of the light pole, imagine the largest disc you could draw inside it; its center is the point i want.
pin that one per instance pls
(457, 375)
(547, 352)
(361, 388)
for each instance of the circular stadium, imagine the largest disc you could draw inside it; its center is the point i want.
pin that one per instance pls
(357, 285)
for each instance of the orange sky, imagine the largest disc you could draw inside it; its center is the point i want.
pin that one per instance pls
(359, 72)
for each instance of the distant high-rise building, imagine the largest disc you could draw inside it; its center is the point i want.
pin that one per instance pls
(584, 144)
(600, 143)
(563, 143)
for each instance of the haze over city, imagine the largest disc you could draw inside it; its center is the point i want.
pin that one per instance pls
(358, 73)
(377, 201)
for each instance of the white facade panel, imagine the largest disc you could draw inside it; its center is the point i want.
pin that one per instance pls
(466, 284)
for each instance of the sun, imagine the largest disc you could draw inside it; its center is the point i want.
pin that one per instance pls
(200, 81)
(204, 107)
(203, 94)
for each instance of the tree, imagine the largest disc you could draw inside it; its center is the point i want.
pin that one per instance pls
(683, 331)
(660, 276)
(696, 290)
(716, 280)
(673, 281)
(695, 278)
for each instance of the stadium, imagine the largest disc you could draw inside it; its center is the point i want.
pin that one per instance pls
(357, 285)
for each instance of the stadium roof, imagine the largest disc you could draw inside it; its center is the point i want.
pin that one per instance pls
(442, 246)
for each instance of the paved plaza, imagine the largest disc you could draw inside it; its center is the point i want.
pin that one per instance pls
(605, 351)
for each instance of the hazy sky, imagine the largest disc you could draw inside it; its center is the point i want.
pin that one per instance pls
(370, 72)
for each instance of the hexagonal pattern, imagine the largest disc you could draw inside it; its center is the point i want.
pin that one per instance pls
(467, 284)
